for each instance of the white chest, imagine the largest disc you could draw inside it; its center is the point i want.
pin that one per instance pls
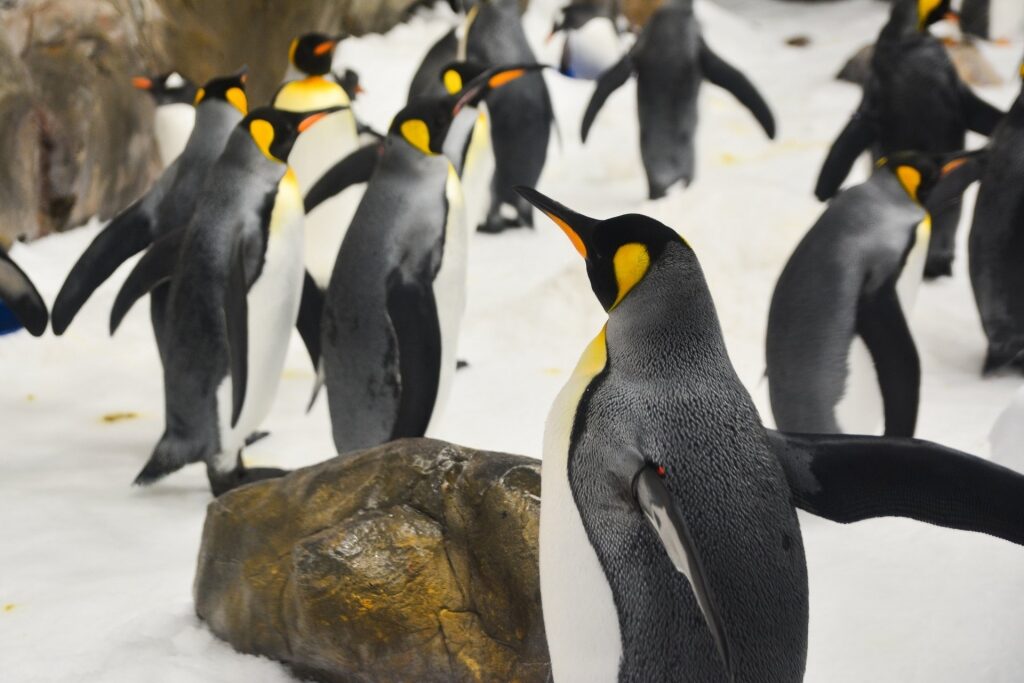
(173, 124)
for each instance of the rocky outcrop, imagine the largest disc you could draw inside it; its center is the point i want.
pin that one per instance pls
(413, 561)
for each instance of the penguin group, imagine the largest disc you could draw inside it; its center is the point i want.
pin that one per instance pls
(670, 548)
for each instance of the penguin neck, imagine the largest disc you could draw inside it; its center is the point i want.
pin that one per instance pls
(889, 185)
(241, 152)
(399, 152)
(902, 25)
(460, 134)
(214, 122)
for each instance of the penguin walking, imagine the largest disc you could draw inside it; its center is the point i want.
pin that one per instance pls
(913, 100)
(21, 298)
(592, 41)
(852, 281)
(236, 281)
(394, 304)
(669, 543)
(311, 56)
(671, 59)
(996, 244)
(175, 113)
(522, 114)
(167, 206)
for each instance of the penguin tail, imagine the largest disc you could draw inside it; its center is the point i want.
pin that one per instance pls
(170, 455)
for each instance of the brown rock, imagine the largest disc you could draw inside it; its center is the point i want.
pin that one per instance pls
(416, 560)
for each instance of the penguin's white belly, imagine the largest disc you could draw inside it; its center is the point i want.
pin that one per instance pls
(478, 171)
(449, 289)
(173, 123)
(861, 410)
(580, 618)
(593, 49)
(273, 303)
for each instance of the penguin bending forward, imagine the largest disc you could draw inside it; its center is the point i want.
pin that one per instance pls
(670, 548)
(21, 298)
(236, 278)
(913, 100)
(175, 113)
(671, 60)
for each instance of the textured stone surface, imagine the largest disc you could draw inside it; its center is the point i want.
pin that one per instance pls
(416, 560)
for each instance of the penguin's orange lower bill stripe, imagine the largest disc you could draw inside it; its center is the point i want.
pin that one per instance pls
(504, 77)
(309, 121)
(573, 237)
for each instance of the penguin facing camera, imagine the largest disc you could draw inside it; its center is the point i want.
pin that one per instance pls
(175, 115)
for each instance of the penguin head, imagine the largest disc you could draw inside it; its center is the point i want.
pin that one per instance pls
(932, 11)
(230, 89)
(168, 88)
(313, 53)
(274, 131)
(934, 180)
(619, 252)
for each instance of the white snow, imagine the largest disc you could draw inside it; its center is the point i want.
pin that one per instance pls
(95, 575)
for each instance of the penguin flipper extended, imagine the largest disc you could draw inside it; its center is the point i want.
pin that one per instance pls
(311, 308)
(667, 521)
(153, 269)
(413, 312)
(128, 233)
(726, 76)
(982, 117)
(356, 168)
(610, 81)
(858, 135)
(852, 478)
(883, 327)
(236, 315)
(21, 296)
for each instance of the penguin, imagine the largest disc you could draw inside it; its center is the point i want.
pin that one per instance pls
(311, 56)
(175, 114)
(670, 547)
(236, 280)
(995, 247)
(855, 275)
(21, 299)
(913, 100)
(425, 82)
(522, 114)
(592, 41)
(671, 59)
(219, 105)
(394, 304)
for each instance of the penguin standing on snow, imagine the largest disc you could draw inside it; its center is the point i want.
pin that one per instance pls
(913, 100)
(855, 275)
(394, 305)
(166, 207)
(175, 113)
(671, 60)
(19, 296)
(330, 141)
(236, 277)
(669, 544)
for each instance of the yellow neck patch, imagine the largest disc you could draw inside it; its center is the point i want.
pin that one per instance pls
(200, 94)
(924, 8)
(595, 357)
(291, 51)
(262, 133)
(236, 96)
(910, 179)
(631, 262)
(417, 134)
(452, 81)
(1022, 70)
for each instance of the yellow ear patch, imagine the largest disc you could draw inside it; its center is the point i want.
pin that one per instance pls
(236, 96)
(291, 50)
(631, 262)
(262, 133)
(910, 178)
(200, 94)
(452, 81)
(924, 8)
(417, 134)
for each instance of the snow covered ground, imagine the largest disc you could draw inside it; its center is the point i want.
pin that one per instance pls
(95, 575)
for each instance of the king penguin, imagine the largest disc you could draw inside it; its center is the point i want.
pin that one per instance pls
(670, 548)
(20, 297)
(236, 278)
(671, 59)
(175, 113)
(852, 281)
(332, 140)
(220, 104)
(394, 304)
(913, 100)
(592, 41)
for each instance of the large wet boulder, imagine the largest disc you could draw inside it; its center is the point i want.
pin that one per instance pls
(413, 561)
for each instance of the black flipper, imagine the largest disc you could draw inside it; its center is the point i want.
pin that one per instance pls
(858, 135)
(851, 478)
(153, 269)
(21, 296)
(357, 167)
(130, 232)
(982, 117)
(668, 522)
(311, 308)
(413, 313)
(726, 76)
(609, 82)
(236, 314)
(883, 327)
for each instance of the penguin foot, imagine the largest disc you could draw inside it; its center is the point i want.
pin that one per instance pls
(940, 266)
(222, 482)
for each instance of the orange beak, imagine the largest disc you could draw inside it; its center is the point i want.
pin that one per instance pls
(324, 47)
(142, 83)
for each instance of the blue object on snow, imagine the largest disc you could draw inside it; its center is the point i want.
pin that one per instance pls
(8, 323)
